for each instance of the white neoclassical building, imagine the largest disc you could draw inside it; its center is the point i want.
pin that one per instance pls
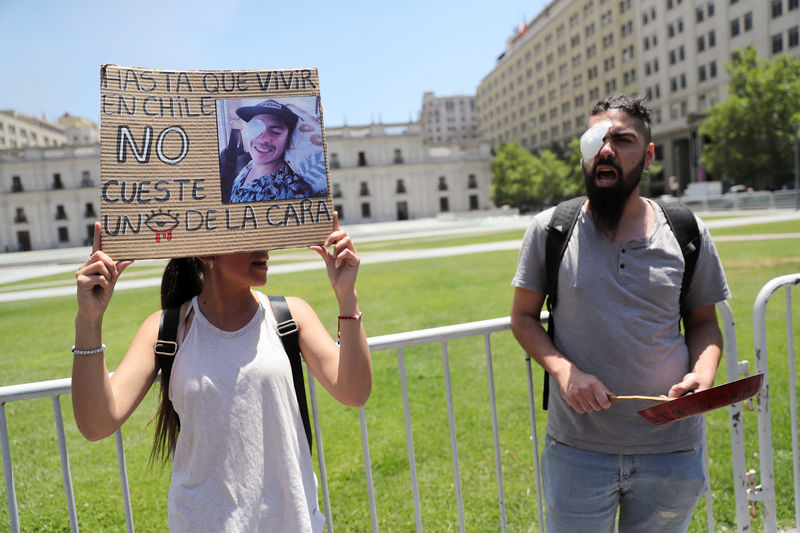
(49, 178)
(49, 196)
(383, 172)
(49, 193)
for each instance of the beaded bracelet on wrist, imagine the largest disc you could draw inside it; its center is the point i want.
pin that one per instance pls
(102, 348)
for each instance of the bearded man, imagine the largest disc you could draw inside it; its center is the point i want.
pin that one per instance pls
(618, 317)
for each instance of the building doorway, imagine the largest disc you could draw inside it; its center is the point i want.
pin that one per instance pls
(24, 240)
(402, 210)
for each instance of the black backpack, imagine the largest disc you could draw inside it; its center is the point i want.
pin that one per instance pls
(167, 346)
(681, 221)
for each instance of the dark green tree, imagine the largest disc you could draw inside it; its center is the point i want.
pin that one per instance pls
(513, 175)
(751, 131)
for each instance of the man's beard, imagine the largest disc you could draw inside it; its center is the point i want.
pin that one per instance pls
(608, 203)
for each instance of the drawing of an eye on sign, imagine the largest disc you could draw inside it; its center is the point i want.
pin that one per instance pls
(271, 149)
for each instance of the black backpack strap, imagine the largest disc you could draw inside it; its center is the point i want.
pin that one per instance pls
(287, 331)
(559, 231)
(167, 345)
(684, 225)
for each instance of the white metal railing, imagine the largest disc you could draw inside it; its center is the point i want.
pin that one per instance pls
(744, 201)
(764, 493)
(399, 342)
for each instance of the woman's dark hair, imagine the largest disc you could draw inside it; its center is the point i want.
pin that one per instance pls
(182, 280)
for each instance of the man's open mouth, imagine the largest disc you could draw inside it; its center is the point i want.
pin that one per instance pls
(606, 175)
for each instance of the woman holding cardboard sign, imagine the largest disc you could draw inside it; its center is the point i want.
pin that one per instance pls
(241, 461)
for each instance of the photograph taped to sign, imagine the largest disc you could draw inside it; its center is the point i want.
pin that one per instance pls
(209, 162)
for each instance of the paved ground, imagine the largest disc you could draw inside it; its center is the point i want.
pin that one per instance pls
(27, 265)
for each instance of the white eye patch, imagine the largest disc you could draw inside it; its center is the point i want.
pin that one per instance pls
(592, 140)
(254, 128)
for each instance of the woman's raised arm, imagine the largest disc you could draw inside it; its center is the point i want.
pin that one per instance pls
(101, 404)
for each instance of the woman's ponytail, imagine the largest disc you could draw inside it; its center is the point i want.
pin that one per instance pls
(182, 280)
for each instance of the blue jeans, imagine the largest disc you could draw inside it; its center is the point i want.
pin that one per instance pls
(654, 492)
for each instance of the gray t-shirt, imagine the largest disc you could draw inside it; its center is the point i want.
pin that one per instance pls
(618, 318)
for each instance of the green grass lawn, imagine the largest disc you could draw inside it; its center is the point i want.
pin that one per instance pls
(394, 297)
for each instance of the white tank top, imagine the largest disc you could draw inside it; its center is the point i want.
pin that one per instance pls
(242, 461)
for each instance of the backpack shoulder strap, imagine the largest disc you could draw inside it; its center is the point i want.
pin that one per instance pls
(683, 224)
(559, 231)
(287, 331)
(167, 343)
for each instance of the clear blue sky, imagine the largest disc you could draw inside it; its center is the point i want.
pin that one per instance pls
(375, 58)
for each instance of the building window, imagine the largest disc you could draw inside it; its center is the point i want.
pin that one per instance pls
(701, 43)
(712, 39)
(57, 183)
(61, 214)
(748, 21)
(364, 190)
(472, 182)
(793, 4)
(734, 27)
(337, 190)
(20, 217)
(442, 183)
(444, 204)
(473, 202)
(398, 156)
(712, 69)
(699, 14)
(89, 211)
(63, 234)
(777, 43)
(86, 179)
(400, 187)
(777, 8)
(794, 36)
(366, 211)
(335, 160)
(362, 159)
(16, 184)
(701, 73)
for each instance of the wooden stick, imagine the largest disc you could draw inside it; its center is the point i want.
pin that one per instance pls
(648, 398)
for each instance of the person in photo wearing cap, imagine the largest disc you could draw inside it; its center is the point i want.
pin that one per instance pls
(268, 129)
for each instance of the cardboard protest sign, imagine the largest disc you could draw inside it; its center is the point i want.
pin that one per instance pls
(208, 162)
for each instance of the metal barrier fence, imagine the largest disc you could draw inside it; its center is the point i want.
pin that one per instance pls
(399, 342)
(764, 493)
(743, 201)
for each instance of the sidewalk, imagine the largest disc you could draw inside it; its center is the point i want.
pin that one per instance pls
(26, 265)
